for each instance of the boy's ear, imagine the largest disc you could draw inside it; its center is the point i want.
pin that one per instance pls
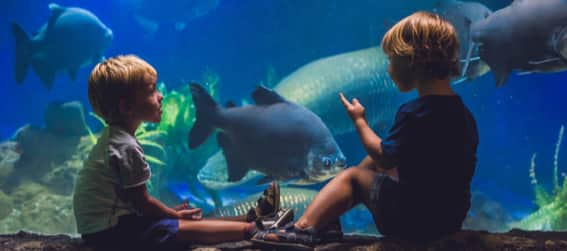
(124, 107)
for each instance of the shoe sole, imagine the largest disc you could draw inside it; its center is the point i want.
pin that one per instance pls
(286, 217)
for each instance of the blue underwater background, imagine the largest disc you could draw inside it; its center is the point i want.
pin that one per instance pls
(243, 42)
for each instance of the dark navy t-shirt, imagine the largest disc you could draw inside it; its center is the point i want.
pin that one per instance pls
(433, 143)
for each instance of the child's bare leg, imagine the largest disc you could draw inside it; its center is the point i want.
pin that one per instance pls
(212, 231)
(240, 218)
(348, 188)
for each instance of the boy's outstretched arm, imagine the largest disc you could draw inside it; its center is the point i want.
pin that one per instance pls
(148, 205)
(372, 143)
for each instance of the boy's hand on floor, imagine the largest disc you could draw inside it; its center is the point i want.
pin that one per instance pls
(190, 214)
(184, 205)
(355, 109)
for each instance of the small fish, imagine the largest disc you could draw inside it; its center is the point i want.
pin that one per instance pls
(72, 38)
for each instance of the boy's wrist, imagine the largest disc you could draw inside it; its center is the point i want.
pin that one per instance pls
(360, 122)
(176, 214)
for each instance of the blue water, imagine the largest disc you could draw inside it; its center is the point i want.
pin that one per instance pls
(241, 40)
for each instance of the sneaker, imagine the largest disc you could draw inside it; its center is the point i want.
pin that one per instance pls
(280, 218)
(268, 204)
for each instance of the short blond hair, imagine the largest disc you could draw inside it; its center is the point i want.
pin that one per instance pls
(430, 42)
(114, 79)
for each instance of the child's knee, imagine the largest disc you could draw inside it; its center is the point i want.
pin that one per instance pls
(350, 174)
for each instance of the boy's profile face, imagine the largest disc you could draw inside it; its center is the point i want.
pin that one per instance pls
(146, 102)
(400, 71)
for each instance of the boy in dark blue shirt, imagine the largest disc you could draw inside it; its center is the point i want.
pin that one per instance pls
(416, 182)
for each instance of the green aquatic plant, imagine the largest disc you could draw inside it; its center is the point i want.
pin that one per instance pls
(177, 115)
(145, 135)
(148, 136)
(552, 206)
(90, 131)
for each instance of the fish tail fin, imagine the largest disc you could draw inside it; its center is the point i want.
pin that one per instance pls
(206, 111)
(23, 52)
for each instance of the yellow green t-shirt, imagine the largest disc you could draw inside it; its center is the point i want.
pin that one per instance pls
(116, 162)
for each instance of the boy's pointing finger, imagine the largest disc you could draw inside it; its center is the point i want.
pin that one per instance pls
(344, 100)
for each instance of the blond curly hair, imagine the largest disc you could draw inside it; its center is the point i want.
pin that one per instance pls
(430, 42)
(114, 79)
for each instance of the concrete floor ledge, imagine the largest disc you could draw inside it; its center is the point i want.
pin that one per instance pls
(516, 240)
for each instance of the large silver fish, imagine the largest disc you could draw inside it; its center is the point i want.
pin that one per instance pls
(357, 219)
(361, 74)
(276, 137)
(71, 38)
(528, 36)
(294, 198)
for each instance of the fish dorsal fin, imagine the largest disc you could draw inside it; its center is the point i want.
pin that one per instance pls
(264, 96)
(56, 11)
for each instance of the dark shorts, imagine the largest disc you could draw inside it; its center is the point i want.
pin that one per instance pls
(384, 205)
(135, 232)
(408, 221)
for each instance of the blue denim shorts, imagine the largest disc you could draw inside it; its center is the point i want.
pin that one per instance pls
(134, 232)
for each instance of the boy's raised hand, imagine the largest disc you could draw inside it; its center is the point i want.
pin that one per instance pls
(355, 109)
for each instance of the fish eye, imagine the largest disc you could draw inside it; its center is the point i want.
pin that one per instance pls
(327, 162)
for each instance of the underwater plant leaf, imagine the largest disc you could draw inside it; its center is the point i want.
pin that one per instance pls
(533, 178)
(170, 104)
(154, 160)
(101, 120)
(92, 137)
(552, 211)
(149, 143)
(150, 134)
(542, 197)
(540, 219)
(556, 160)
